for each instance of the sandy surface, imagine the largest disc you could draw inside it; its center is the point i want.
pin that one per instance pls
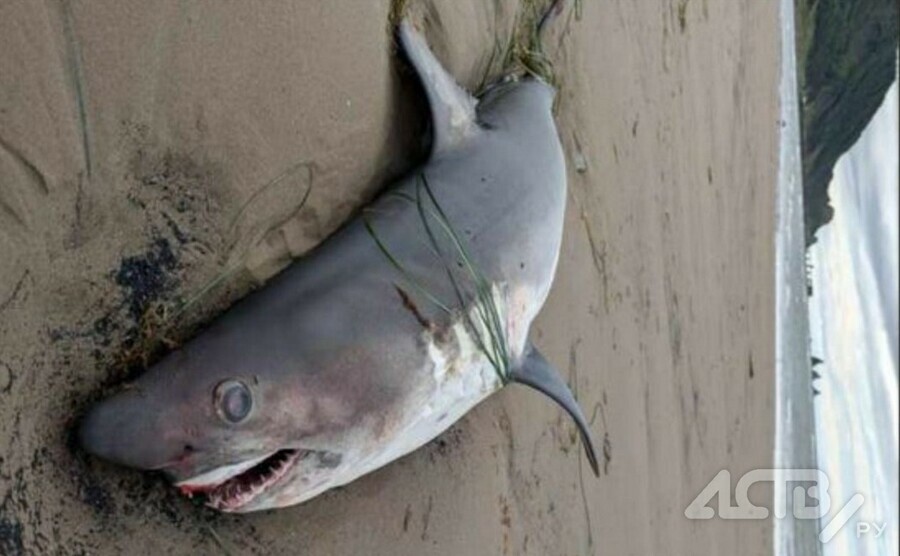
(132, 133)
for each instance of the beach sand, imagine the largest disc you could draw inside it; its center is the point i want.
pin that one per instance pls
(133, 133)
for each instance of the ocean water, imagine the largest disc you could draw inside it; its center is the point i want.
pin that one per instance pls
(795, 443)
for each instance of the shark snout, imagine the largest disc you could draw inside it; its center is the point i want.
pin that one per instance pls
(124, 429)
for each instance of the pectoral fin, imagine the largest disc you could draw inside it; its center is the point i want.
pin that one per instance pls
(537, 373)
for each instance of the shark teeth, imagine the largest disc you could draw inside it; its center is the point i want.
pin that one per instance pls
(241, 489)
(211, 479)
(238, 484)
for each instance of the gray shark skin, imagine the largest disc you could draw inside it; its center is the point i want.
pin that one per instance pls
(376, 342)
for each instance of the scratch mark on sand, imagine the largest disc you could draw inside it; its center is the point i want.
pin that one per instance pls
(15, 292)
(77, 75)
(30, 168)
(573, 369)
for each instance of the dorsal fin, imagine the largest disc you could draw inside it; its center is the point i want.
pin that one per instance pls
(452, 107)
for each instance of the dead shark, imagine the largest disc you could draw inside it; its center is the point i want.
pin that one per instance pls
(385, 335)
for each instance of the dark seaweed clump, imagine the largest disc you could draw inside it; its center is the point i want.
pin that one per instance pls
(145, 277)
(11, 537)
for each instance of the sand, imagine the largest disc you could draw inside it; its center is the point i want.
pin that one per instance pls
(133, 133)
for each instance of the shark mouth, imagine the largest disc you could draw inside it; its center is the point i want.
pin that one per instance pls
(231, 487)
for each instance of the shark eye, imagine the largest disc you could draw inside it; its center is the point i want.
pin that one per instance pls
(233, 401)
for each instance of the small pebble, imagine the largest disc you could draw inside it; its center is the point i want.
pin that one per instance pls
(581, 165)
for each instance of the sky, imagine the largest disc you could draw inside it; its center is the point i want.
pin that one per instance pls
(854, 329)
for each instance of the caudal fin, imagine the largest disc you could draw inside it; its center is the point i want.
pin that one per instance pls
(537, 373)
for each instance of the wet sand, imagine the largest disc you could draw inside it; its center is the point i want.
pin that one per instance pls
(132, 134)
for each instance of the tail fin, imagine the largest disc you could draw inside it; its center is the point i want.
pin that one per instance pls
(537, 373)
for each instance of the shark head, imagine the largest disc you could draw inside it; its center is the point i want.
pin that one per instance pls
(226, 422)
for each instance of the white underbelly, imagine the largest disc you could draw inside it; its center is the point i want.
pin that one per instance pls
(462, 376)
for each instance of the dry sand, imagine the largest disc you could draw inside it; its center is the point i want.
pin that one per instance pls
(132, 133)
